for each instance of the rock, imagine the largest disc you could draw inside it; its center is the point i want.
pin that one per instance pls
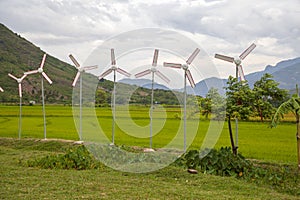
(192, 171)
(149, 150)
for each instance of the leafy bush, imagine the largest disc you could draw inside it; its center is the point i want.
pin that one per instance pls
(75, 158)
(221, 162)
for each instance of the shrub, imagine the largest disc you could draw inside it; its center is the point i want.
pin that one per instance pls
(75, 158)
(221, 162)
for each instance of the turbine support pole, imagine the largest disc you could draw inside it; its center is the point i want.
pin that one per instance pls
(20, 118)
(151, 110)
(80, 109)
(184, 114)
(43, 104)
(114, 110)
(236, 119)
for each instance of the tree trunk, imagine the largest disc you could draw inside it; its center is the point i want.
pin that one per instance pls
(261, 115)
(298, 139)
(231, 137)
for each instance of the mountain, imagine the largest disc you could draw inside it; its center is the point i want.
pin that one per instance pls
(145, 83)
(286, 73)
(17, 55)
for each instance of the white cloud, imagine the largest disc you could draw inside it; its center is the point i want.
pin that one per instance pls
(220, 26)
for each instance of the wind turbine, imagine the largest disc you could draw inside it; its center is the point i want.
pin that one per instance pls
(238, 71)
(237, 61)
(1, 90)
(153, 70)
(19, 81)
(114, 69)
(43, 75)
(80, 70)
(187, 74)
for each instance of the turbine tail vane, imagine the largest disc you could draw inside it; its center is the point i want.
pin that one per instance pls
(225, 58)
(47, 78)
(90, 67)
(121, 71)
(247, 51)
(31, 72)
(193, 56)
(74, 61)
(12, 76)
(173, 65)
(190, 78)
(20, 90)
(163, 77)
(43, 61)
(105, 73)
(241, 73)
(155, 57)
(76, 79)
(143, 73)
(113, 58)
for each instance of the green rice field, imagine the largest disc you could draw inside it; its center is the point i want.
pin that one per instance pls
(256, 139)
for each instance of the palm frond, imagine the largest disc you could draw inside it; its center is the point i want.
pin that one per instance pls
(292, 105)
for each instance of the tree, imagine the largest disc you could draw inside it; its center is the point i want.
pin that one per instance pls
(238, 103)
(267, 96)
(213, 103)
(101, 96)
(291, 105)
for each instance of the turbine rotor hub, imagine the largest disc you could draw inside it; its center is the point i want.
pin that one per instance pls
(185, 67)
(153, 69)
(237, 61)
(114, 67)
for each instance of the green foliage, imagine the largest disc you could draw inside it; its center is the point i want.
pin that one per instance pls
(267, 96)
(238, 99)
(222, 162)
(213, 103)
(291, 105)
(75, 158)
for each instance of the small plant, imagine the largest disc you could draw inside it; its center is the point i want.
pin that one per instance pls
(75, 158)
(224, 163)
(221, 162)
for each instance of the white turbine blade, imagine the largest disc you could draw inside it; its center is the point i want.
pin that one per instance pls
(1, 89)
(155, 57)
(163, 77)
(193, 56)
(105, 73)
(90, 67)
(43, 61)
(190, 78)
(241, 72)
(12, 76)
(247, 51)
(75, 79)
(47, 78)
(173, 65)
(74, 61)
(31, 72)
(20, 90)
(23, 77)
(226, 58)
(121, 71)
(143, 73)
(112, 56)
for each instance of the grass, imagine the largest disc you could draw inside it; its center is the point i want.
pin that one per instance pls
(256, 140)
(17, 181)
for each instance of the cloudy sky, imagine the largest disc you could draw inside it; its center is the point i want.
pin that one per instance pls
(228, 27)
